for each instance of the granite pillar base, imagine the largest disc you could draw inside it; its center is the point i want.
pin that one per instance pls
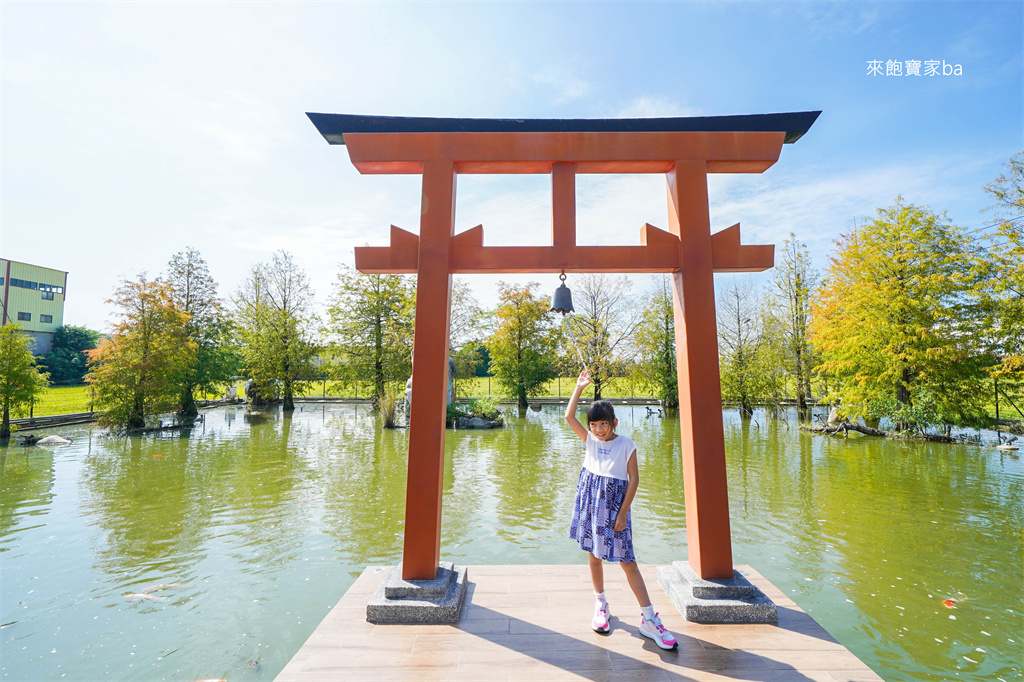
(720, 600)
(438, 600)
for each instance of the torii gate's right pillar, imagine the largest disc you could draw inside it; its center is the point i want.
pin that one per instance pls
(700, 407)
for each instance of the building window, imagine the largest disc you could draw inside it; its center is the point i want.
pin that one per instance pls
(46, 319)
(24, 317)
(47, 295)
(1, 280)
(24, 283)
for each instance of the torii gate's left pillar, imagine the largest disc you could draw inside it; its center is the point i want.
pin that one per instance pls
(423, 588)
(424, 484)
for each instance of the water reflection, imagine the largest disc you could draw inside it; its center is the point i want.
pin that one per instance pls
(26, 487)
(884, 531)
(261, 524)
(361, 473)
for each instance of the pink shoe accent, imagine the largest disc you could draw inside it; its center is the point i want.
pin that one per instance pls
(656, 631)
(601, 615)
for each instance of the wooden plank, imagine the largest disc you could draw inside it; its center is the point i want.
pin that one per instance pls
(533, 623)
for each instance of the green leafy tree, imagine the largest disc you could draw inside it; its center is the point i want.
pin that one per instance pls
(138, 369)
(524, 343)
(371, 327)
(66, 362)
(605, 317)
(274, 318)
(482, 368)
(1004, 274)
(896, 314)
(20, 379)
(794, 281)
(773, 363)
(194, 292)
(655, 344)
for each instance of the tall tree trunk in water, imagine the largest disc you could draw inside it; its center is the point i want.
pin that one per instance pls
(5, 428)
(187, 404)
(378, 362)
(801, 396)
(522, 399)
(137, 419)
(903, 396)
(746, 409)
(289, 403)
(903, 390)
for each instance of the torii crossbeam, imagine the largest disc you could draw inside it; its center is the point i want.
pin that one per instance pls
(686, 150)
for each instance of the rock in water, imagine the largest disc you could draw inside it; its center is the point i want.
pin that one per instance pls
(53, 440)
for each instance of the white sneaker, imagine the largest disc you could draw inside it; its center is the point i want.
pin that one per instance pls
(656, 631)
(601, 616)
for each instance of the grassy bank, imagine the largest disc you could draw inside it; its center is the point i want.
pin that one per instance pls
(60, 400)
(73, 399)
(478, 387)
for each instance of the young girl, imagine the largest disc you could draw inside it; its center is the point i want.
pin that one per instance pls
(600, 519)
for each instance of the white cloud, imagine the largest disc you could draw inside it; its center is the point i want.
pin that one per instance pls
(656, 106)
(828, 20)
(566, 85)
(239, 124)
(818, 207)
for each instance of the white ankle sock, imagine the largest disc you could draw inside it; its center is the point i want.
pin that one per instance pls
(600, 597)
(648, 612)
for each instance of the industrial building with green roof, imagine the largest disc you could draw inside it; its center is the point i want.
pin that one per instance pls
(33, 297)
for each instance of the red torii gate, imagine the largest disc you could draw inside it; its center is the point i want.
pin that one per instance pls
(686, 150)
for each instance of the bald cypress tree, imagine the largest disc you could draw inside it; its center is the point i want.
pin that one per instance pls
(137, 370)
(896, 320)
(655, 344)
(20, 380)
(371, 327)
(524, 344)
(1004, 274)
(274, 316)
(194, 292)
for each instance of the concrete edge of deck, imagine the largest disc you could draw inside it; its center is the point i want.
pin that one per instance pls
(532, 622)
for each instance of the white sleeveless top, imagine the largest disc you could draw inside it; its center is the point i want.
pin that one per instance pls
(609, 457)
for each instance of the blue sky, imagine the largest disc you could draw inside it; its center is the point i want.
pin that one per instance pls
(132, 130)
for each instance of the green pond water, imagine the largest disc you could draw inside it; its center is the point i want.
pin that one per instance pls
(214, 554)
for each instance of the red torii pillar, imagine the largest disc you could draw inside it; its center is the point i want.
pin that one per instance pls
(686, 150)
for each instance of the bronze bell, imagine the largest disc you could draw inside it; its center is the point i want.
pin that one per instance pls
(562, 301)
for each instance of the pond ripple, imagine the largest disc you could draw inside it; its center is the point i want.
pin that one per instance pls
(255, 530)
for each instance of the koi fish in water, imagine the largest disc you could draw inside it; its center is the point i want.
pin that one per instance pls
(147, 593)
(952, 602)
(144, 595)
(161, 586)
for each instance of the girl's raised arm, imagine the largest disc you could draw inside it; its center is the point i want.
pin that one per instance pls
(570, 411)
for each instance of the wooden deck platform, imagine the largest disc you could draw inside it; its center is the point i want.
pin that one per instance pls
(533, 623)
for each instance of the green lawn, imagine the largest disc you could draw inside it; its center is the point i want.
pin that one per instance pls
(480, 387)
(72, 399)
(61, 400)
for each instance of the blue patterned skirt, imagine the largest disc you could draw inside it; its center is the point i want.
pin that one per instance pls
(593, 518)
